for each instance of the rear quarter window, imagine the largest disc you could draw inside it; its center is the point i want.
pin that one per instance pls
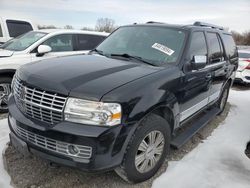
(230, 46)
(89, 42)
(17, 28)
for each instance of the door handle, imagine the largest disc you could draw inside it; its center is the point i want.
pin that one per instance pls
(208, 76)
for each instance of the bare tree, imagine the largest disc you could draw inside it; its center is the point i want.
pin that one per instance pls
(88, 29)
(68, 27)
(241, 38)
(105, 24)
(47, 27)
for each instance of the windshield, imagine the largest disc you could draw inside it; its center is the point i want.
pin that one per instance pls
(158, 45)
(24, 41)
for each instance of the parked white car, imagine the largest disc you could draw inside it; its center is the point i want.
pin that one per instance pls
(11, 28)
(243, 72)
(39, 45)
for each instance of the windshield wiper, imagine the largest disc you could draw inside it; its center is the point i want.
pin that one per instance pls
(132, 57)
(97, 51)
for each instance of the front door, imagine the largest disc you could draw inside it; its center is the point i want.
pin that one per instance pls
(61, 45)
(194, 93)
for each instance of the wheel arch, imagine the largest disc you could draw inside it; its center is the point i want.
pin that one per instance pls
(7, 72)
(166, 113)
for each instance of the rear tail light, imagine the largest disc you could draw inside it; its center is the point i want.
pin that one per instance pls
(248, 66)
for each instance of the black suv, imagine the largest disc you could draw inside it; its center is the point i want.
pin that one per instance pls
(121, 106)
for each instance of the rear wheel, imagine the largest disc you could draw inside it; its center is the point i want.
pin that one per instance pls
(5, 89)
(223, 98)
(147, 150)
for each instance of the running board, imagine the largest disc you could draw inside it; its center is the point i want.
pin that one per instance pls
(181, 139)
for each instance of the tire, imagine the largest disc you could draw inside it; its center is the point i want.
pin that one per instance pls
(5, 83)
(221, 103)
(153, 125)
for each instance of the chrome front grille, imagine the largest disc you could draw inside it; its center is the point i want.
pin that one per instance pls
(38, 104)
(84, 152)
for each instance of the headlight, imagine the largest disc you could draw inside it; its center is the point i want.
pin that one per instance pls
(92, 113)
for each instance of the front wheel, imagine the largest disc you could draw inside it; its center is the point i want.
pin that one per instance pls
(147, 150)
(5, 89)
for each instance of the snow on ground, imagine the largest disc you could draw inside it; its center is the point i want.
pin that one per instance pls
(4, 138)
(220, 161)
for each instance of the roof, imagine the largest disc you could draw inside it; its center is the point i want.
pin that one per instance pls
(63, 31)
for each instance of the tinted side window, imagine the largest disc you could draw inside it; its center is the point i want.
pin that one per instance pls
(1, 32)
(230, 46)
(198, 44)
(89, 42)
(216, 53)
(60, 43)
(17, 28)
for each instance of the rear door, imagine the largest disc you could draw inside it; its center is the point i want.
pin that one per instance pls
(196, 83)
(218, 66)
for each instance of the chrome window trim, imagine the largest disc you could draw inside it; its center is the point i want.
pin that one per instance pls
(211, 66)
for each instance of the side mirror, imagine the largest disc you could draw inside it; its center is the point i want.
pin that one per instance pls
(199, 62)
(43, 49)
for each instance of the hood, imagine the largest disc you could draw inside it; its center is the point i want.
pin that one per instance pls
(5, 53)
(87, 77)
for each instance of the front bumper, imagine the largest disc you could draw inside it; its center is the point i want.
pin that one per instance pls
(108, 144)
(243, 76)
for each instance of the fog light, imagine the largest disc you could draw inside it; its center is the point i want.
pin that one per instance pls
(73, 150)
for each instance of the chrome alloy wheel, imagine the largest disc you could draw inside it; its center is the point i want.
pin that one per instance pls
(4, 93)
(149, 151)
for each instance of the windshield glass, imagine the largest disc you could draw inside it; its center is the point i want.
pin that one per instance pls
(24, 41)
(158, 45)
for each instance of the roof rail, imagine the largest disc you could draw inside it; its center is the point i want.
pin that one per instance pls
(153, 22)
(202, 24)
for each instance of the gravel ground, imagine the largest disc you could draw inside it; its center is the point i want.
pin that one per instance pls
(34, 172)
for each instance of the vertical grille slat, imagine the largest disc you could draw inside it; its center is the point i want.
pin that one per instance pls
(38, 104)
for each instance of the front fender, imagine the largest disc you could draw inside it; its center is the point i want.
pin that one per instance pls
(142, 96)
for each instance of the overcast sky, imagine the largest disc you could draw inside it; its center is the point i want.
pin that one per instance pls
(234, 14)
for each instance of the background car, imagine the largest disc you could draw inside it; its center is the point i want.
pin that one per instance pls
(11, 28)
(243, 72)
(39, 45)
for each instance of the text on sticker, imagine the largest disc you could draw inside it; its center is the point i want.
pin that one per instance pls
(163, 49)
